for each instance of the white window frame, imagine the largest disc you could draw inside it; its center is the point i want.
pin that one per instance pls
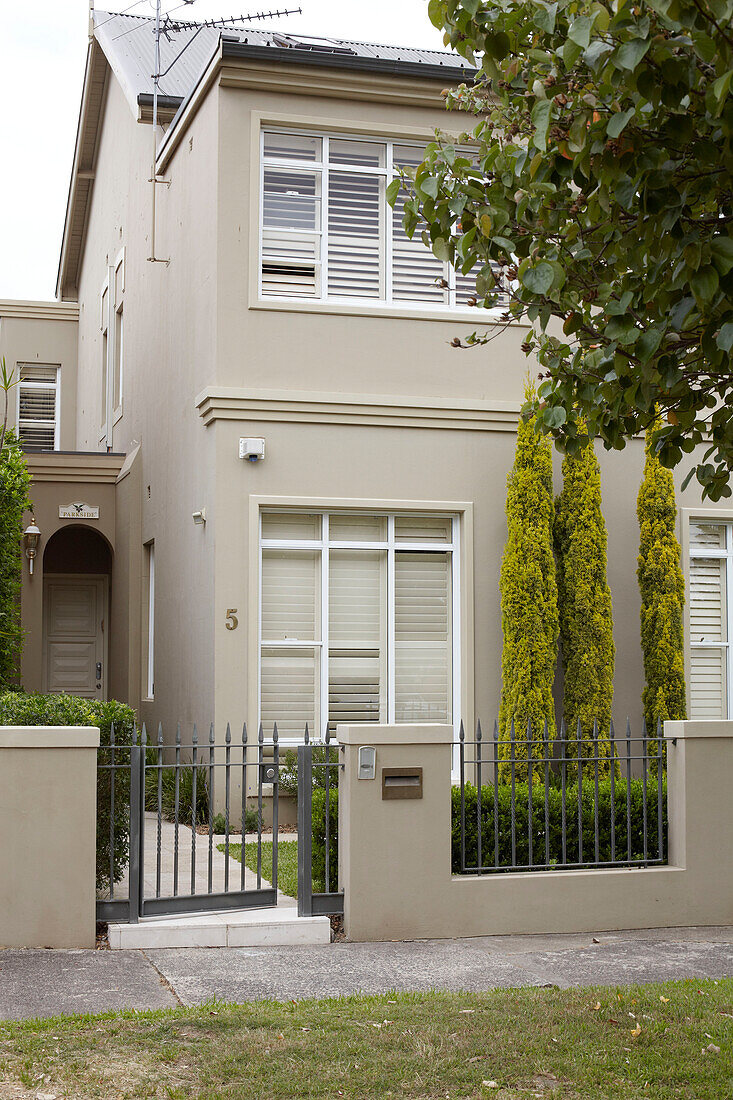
(106, 325)
(150, 639)
(719, 554)
(323, 167)
(118, 288)
(55, 386)
(391, 545)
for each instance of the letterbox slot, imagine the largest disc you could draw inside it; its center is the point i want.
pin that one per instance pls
(401, 783)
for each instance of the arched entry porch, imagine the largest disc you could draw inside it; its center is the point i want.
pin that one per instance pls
(77, 571)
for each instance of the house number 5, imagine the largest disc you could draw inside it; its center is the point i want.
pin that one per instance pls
(231, 617)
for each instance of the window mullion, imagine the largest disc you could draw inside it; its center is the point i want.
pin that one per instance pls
(388, 219)
(391, 631)
(324, 218)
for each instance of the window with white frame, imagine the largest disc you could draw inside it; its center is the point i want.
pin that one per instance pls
(711, 609)
(357, 619)
(149, 620)
(104, 371)
(118, 364)
(328, 233)
(38, 405)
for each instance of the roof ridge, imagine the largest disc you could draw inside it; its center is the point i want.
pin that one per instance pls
(289, 33)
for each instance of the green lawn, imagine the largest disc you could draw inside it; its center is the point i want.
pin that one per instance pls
(628, 1044)
(287, 862)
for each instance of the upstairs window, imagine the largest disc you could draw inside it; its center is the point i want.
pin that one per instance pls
(328, 233)
(38, 406)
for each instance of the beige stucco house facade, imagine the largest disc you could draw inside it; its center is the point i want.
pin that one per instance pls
(352, 572)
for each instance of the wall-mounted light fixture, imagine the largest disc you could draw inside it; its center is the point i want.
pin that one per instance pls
(199, 517)
(31, 538)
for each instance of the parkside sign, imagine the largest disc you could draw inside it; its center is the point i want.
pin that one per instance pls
(78, 510)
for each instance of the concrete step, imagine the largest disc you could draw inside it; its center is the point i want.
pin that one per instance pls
(279, 927)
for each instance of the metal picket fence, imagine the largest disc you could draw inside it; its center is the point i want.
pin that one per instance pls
(537, 802)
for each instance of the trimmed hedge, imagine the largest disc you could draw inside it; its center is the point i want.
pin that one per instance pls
(554, 798)
(521, 815)
(19, 709)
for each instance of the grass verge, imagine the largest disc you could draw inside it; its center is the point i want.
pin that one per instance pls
(638, 1042)
(287, 862)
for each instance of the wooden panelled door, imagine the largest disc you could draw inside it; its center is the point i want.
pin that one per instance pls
(75, 631)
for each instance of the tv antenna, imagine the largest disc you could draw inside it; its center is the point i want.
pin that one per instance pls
(167, 27)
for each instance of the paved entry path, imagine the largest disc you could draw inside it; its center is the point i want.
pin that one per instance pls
(47, 983)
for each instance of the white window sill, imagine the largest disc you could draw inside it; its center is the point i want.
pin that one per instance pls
(468, 315)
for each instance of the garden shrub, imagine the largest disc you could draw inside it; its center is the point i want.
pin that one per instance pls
(14, 483)
(504, 792)
(289, 768)
(584, 602)
(662, 589)
(529, 616)
(168, 790)
(20, 709)
(554, 798)
(318, 819)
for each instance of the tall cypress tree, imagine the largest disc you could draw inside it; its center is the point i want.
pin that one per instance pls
(662, 590)
(528, 593)
(584, 600)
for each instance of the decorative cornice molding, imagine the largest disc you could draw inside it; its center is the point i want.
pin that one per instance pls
(366, 410)
(39, 311)
(334, 84)
(69, 466)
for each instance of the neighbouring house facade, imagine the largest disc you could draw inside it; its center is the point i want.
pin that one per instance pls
(351, 572)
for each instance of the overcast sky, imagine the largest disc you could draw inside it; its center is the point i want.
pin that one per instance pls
(42, 53)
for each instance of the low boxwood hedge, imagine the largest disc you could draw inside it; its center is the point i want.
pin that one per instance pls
(20, 709)
(554, 800)
(521, 818)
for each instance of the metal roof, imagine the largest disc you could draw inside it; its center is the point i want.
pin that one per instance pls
(127, 41)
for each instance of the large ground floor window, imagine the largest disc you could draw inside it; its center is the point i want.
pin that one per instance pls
(711, 612)
(357, 619)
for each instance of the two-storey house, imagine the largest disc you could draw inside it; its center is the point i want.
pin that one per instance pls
(289, 488)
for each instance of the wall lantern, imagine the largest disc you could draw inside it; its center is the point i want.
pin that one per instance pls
(31, 538)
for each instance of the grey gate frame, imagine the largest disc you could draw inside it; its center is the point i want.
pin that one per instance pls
(133, 768)
(310, 903)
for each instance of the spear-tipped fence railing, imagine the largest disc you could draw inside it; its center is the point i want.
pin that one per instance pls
(197, 798)
(534, 801)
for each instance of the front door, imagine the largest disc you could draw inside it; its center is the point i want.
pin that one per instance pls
(75, 612)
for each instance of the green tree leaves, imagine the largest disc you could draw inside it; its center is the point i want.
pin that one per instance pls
(597, 170)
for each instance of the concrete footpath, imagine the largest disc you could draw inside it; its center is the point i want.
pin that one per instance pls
(47, 983)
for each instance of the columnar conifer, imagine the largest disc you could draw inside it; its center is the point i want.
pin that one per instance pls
(584, 601)
(528, 593)
(662, 590)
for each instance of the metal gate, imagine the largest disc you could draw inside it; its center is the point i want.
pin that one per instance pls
(169, 817)
(173, 818)
(318, 775)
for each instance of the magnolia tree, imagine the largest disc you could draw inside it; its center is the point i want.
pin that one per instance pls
(596, 186)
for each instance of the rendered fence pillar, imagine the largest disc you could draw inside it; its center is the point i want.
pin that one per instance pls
(394, 851)
(48, 781)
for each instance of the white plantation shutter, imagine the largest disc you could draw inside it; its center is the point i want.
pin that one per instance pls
(355, 237)
(423, 644)
(290, 690)
(291, 525)
(708, 682)
(38, 405)
(291, 224)
(357, 635)
(414, 267)
(708, 600)
(708, 603)
(290, 595)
